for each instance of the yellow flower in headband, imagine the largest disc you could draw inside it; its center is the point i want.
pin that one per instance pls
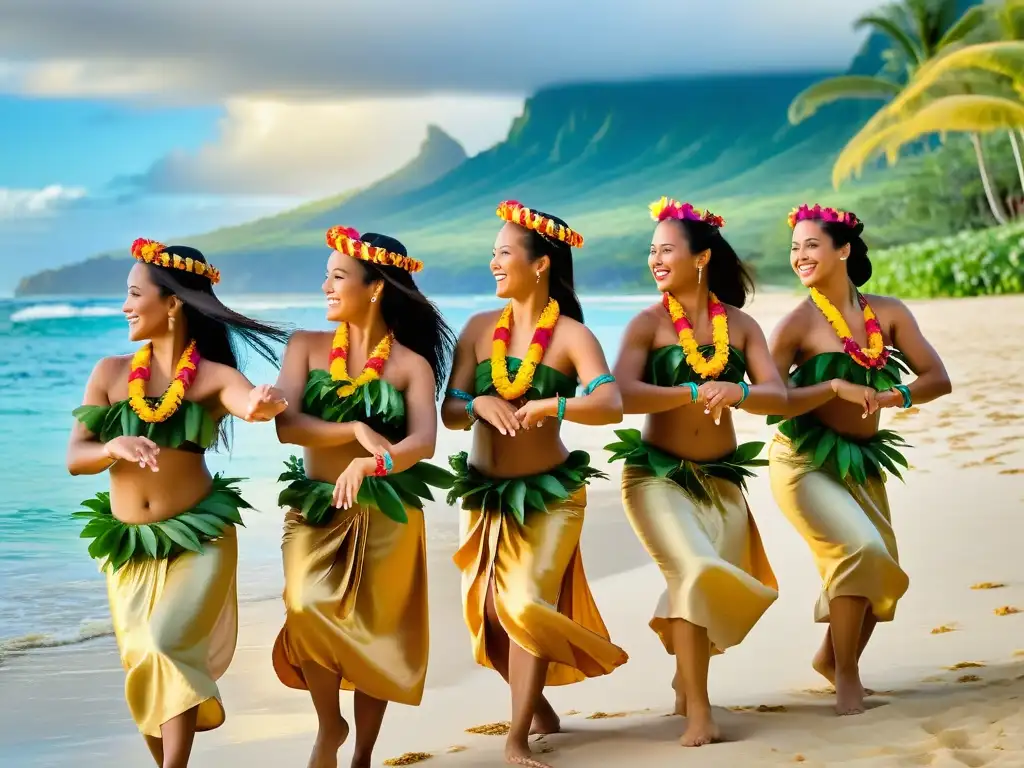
(346, 240)
(667, 208)
(515, 212)
(152, 252)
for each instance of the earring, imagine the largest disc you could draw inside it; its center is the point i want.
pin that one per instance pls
(373, 299)
(538, 277)
(843, 258)
(700, 274)
(170, 322)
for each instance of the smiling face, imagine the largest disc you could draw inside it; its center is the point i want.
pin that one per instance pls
(515, 274)
(813, 255)
(147, 311)
(671, 261)
(348, 294)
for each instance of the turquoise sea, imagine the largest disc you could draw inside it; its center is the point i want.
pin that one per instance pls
(51, 592)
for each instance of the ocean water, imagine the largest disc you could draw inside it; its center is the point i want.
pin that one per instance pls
(51, 592)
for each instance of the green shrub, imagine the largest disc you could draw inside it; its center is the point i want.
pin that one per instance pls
(972, 263)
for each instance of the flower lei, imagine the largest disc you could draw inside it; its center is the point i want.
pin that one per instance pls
(516, 213)
(875, 355)
(347, 240)
(667, 208)
(152, 252)
(707, 368)
(512, 390)
(817, 213)
(371, 371)
(184, 375)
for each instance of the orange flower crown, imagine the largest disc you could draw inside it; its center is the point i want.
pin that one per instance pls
(667, 208)
(152, 252)
(515, 212)
(346, 240)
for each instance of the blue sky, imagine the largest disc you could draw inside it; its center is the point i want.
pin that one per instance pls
(121, 119)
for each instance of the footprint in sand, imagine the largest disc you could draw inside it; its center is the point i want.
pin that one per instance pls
(409, 758)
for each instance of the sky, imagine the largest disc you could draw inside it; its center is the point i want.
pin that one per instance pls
(121, 119)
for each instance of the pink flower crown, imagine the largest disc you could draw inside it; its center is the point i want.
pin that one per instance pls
(667, 208)
(817, 213)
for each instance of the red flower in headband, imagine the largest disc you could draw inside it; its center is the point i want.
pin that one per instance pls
(667, 208)
(817, 213)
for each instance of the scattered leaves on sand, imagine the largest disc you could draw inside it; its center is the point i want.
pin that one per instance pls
(770, 708)
(799, 758)
(965, 665)
(409, 758)
(944, 629)
(1014, 471)
(1006, 610)
(933, 679)
(968, 679)
(605, 715)
(456, 748)
(1018, 653)
(570, 713)
(491, 729)
(828, 690)
(988, 585)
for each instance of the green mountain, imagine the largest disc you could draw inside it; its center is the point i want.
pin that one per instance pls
(595, 154)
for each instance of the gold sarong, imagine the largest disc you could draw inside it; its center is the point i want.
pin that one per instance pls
(355, 596)
(716, 571)
(541, 593)
(848, 528)
(176, 623)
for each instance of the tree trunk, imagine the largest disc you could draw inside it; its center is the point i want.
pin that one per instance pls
(1016, 156)
(993, 203)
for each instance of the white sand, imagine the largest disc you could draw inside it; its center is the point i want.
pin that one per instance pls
(958, 522)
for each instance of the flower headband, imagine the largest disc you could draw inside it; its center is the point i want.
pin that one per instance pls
(346, 240)
(517, 213)
(152, 252)
(818, 213)
(667, 208)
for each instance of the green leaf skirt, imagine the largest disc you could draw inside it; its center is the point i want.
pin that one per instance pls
(519, 495)
(691, 476)
(118, 543)
(390, 494)
(847, 460)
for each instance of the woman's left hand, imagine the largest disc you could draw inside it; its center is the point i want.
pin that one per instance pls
(533, 413)
(265, 403)
(346, 489)
(718, 395)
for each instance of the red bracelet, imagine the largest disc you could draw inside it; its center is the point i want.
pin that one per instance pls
(380, 470)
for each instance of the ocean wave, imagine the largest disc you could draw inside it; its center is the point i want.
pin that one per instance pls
(87, 630)
(36, 312)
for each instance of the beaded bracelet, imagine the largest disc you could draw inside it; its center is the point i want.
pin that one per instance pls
(604, 378)
(904, 391)
(380, 469)
(694, 393)
(561, 408)
(746, 393)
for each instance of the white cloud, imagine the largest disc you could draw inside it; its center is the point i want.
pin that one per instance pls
(328, 49)
(28, 203)
(315, 148)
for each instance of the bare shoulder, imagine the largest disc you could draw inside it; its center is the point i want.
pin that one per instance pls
(307, 339)
(888, 304)
(480, 321)
(795, 323)
(109, 369)
(412, 364)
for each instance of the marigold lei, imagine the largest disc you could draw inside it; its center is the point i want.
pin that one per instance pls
(372, 369)
(184, 375)
(152, 252)
(512, 390)
(875, 355)
(706, 368)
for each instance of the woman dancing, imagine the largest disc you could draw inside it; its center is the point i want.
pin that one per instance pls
(165, 532)
(525, 596)
(354, 542)
(683, 362)
(828, 461)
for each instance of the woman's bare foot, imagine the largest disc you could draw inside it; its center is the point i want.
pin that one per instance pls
(701, 729)
(849, 694)
(326, 746)
(521, 755)
(545, 719)
(680, 708)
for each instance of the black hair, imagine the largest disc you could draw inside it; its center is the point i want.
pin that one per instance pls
(561, 287)
(858, 265)
(728, 278)
(215, 327)
(415, 320)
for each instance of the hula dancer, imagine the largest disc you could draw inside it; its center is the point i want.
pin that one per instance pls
(525, 596)
(683, 362)
(843, 353)
(165, 533)
(355, 562)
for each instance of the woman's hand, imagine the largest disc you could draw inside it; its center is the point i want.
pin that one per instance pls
(497, 412)
(718, 395)
(265, 403)
(533, 413)
(857, 394)
(346, 489)
(138, 450)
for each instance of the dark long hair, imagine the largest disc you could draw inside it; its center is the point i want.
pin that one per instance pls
(416, 322)
(727, 277)
(561, 287)
(858, 265)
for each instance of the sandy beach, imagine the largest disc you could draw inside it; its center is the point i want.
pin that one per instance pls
(949, 672)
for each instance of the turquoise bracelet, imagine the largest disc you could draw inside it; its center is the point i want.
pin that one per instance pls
(458, 394)
(561, 408)
(904, 391)
(746, 393)
(694, 394)
(604, 378)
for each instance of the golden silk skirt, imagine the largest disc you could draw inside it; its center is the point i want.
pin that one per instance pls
(355, 594)
(176, 623)
(846, 525)
(716, 572)
(541, 594)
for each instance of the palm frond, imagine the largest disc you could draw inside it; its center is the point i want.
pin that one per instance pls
(891, 28)
(972, 19)
(811, 99)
